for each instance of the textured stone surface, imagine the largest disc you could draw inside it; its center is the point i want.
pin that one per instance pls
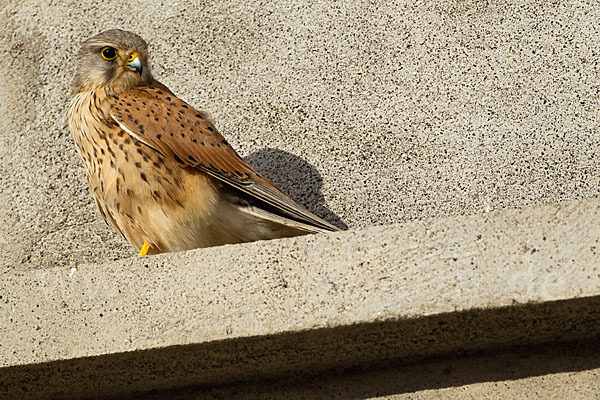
(302, 305)
(369, 114)
(555, 371)
(373, 113)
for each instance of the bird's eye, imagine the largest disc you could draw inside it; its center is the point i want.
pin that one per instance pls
(108, 53)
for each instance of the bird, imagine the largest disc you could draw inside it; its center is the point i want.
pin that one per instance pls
(158, 170)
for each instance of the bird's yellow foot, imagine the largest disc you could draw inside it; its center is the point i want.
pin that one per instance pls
(144, 250)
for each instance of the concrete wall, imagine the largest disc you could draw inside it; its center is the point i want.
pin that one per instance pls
(410, 123)
(302, 306)
(368, 114)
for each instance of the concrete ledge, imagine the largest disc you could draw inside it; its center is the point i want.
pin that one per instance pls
(550, 371)
(302, 306)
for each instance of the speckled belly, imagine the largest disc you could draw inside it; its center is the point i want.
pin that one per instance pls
(146, 196)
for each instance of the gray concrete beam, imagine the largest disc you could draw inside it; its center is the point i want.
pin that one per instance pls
(303, 305)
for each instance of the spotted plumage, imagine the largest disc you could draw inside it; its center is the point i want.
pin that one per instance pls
(158, 169)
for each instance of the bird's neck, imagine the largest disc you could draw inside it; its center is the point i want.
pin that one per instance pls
(113, 87)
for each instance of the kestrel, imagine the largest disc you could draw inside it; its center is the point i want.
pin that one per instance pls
(158, 169)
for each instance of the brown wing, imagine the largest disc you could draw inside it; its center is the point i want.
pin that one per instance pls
(156, 117)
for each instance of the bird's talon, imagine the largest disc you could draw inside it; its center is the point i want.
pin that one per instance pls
(144, 250)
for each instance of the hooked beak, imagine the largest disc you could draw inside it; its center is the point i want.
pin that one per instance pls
(135, 63)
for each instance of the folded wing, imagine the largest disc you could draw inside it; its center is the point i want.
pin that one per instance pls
(156, 117)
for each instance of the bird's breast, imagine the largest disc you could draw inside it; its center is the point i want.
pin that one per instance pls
(145, 195)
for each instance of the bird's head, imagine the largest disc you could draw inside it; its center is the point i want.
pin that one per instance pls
(115, 58)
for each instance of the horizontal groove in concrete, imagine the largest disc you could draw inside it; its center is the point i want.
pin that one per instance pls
(294, 306)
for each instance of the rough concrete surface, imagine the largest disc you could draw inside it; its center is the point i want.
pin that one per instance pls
(370, 112)
(408, 122)
(557, 371)
(268, 310)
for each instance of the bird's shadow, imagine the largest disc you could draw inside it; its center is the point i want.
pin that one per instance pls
(295, 176)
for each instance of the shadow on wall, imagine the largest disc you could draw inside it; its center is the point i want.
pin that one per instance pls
(491, 373)
(297, 178)
(358, 361)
